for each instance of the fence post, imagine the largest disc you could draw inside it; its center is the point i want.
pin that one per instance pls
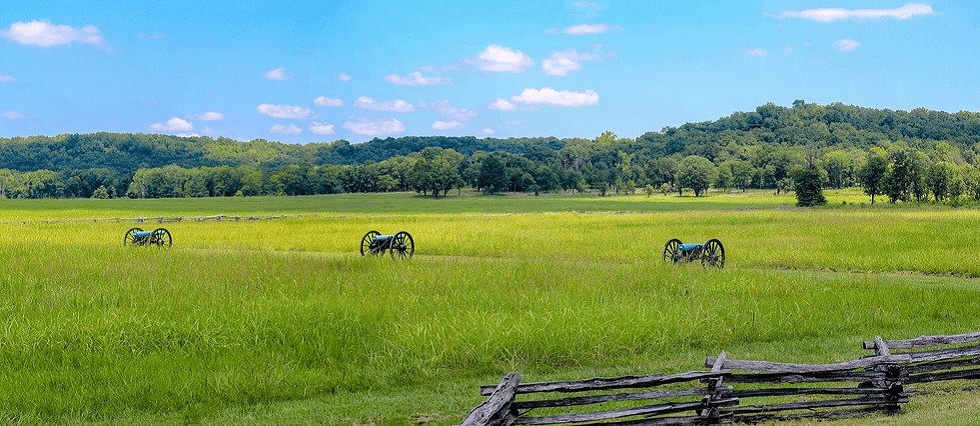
(710, 414)
(496, 410)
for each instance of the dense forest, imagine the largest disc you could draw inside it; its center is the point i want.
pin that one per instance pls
(916, 155)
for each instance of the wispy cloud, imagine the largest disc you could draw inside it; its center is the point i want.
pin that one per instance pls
(321, 128)
(564, 62)
(502, 105)
(397, 105)
(588, 29)
(290, 129)
(7, 78)
(846, 45)
(496, 58)
(211, 116)
(283, 111)
(344, 77)
(446, 125)
(278, 74)
(173, 125)
(757, 52)
(328, 102)
(448, 110)
(416, 79)
(908, 11)
(13, 115)
(549, 96)
(585, 9)
(46, 34)
(375, 128)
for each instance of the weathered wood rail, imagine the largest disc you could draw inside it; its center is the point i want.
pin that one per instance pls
(738, 391)
(934, 358)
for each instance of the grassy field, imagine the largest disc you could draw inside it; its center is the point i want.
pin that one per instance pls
(280, 320)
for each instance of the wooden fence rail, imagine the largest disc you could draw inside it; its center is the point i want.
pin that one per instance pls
(766, 391)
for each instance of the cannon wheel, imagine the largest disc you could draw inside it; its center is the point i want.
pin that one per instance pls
(671, 252)
(161, 238)
(366, 243)
(130, 237)
(713, 254)
(402, 246)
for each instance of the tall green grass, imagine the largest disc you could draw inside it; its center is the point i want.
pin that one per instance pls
(241, 314)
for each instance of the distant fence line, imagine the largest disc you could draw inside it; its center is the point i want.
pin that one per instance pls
(766, 391)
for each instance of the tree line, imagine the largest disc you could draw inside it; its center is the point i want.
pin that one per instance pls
(905, 156)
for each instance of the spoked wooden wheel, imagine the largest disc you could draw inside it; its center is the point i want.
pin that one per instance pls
(130, 238)
(672, 251)
(161, 238)
(366, 243)
(713, 254)
(402, 246)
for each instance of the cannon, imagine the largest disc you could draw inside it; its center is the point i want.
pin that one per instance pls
(159, 237)
(711, 253)
(400, 245)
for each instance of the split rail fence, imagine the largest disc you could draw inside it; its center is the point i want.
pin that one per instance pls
(735, 391)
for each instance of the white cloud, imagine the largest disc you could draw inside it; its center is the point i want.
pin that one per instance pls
(446, 109)
(588, 29)
(502, 105)
(549, 96)
(278, 74)
(321, 128)
(7, 79)
(397, 105)
(757, 52)
(344, 77)
(284, 111)
(446, 125)
(211, 116)
(496, 58)
(328, 102)
(375, 128)
(846, 45)
(173, 125)
(291, 129)
(566, 61)
(46, 34)
(488, 132)
(13, 115)
(416, 79)
(836, 14)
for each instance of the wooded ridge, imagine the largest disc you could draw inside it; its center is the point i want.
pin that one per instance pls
(756, 149)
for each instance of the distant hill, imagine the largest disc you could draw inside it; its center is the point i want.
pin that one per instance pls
(830, 126)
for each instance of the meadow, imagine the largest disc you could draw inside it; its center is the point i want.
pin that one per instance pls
(276, 318)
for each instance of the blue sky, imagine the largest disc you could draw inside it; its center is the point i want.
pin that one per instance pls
(318, 71)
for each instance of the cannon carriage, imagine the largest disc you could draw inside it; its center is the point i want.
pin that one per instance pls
(711, 253)
(159, 237)
(400, 245)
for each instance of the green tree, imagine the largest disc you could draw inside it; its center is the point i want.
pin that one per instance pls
(838, 166)
(939, 180)
(697, 173)
(725, 179)
(904, 177)
(807, 183)
(872, 175)
(493, 174)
